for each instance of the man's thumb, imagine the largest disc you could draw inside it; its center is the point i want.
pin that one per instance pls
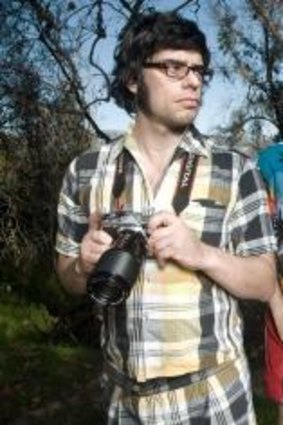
(94, 221)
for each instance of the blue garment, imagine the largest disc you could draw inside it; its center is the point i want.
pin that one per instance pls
(270, 162)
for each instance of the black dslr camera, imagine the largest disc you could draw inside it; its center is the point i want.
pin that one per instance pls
(116, 271)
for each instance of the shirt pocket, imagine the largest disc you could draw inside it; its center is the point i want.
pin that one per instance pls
(206, 217)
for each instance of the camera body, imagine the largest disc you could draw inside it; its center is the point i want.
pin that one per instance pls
(118, 268)
(116, 222)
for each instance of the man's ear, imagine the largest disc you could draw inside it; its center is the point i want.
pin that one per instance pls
(132, 87)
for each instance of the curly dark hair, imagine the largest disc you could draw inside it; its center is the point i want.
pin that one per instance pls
(146, 35)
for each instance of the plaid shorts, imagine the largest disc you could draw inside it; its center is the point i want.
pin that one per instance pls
(273, 373)
(221, 397)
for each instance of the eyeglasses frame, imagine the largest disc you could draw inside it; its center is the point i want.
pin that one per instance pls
(204, 76)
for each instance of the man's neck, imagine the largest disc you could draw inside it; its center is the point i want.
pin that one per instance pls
(157, 145)
(154, 139)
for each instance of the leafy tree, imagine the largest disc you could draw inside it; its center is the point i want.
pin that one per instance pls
(250, 36)
(42, 129)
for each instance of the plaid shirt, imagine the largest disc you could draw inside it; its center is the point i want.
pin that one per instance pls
(175, 321)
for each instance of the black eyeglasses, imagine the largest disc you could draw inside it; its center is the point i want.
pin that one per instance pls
(178, 70)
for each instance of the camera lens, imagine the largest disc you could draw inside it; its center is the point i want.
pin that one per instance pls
(118, 269)
(107, 289)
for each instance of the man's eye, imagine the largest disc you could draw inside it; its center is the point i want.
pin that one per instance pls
(198, 69)
(175, 66)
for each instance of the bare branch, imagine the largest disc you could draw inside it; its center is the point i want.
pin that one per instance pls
(257, 118)
(64, 62)
(116, 9)
(133, 10)
(273, 27)
(186, 3)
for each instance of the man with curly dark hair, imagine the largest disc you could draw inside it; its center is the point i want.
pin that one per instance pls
(173, 348)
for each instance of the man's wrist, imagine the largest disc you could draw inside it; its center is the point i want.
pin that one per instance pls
(79, 270)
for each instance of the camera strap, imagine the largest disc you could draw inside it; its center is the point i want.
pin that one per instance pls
(123, 160)
(184, 185)
(185, 182)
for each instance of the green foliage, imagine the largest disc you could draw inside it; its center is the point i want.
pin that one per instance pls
(35, 323)
(34, 287)
(266, 411)
(41, 383)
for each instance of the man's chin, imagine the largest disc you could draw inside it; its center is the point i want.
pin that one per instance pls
(179, 126)
(182, 122)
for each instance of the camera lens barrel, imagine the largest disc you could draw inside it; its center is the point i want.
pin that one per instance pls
(113, 277)
(117, 269)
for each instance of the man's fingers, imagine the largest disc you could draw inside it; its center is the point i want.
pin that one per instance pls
(160, 219)
(100, 237)
(96, 233)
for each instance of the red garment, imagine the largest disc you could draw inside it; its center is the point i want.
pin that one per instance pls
(273, 374)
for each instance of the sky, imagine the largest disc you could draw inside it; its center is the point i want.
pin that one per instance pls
(220, 97)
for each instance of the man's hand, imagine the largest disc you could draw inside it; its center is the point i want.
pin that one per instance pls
(244, 277)
(74, 271)
(171, 239)
(93, 245)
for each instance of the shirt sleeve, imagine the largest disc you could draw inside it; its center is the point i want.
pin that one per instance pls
(250, 221)
(72, 221)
